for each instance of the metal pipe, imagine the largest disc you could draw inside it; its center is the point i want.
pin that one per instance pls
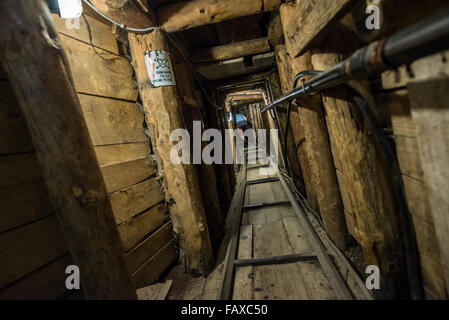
(422, 39)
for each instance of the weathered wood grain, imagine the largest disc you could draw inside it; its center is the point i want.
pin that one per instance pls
(163, 112)
(63, 147)
(189, 14)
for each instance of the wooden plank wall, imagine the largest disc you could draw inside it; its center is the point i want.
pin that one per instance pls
(396, 104)
(107, 92)
(33, 250)
(32, 246)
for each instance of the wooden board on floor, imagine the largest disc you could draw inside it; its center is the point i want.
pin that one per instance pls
(243, 283)
(278, 191)
(261, 193)
(213, 282)
(270, 214)
(275, 281)
(195, 289)
(157, 291)
(316, 283)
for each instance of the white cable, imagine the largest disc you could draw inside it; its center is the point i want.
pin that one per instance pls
(121, 25)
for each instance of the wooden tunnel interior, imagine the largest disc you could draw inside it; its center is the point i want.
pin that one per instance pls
(86, 175)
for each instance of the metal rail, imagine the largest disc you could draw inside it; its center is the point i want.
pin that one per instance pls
(236, 210)
(329, 268)
(266, 180)
(319, 251)
(265, 205)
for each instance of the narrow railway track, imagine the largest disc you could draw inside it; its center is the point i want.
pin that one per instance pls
(274, 251)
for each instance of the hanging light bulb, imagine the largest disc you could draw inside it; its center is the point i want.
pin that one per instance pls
(70, 9)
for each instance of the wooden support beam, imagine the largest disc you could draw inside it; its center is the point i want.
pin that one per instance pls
(363, 169)
(126, 12)
(223, 182)
(231, 51)
(190, 14)
(208, 185)
(29, 48)
(286, 78)
(275, 31)
(311, 20)
(235, 67)
(245, 97)
(163, 111)
(316, 155)
(292, 153)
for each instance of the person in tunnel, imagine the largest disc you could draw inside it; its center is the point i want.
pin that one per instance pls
(241, 122)
(242, 125)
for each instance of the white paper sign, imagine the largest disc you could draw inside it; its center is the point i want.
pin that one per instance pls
(159, 68)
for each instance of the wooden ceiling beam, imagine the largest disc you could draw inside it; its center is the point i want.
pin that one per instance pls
(126, 12)
(190, 14)
(235, 67)
(316, 18)
(231, 51)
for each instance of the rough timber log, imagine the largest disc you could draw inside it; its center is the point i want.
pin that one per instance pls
(316, 149)
(292, 153)
(163, 111)
(29, 48)
(126, 12)
(235, 67)
(231, 51)
(311, 20)
(208, 184)
(190, 14)
(363, 168)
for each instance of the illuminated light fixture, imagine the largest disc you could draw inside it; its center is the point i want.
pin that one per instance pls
(230, 116)
(70, 9)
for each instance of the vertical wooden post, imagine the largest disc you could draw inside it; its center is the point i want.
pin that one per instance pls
(36, 65)
(208, 185)
(292, 152)
(163, 111)
(364, 170)
(224, 186)
(321, 170)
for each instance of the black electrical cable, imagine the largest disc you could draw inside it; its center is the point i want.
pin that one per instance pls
(410, 244)
(275, 119)
(422, 39)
